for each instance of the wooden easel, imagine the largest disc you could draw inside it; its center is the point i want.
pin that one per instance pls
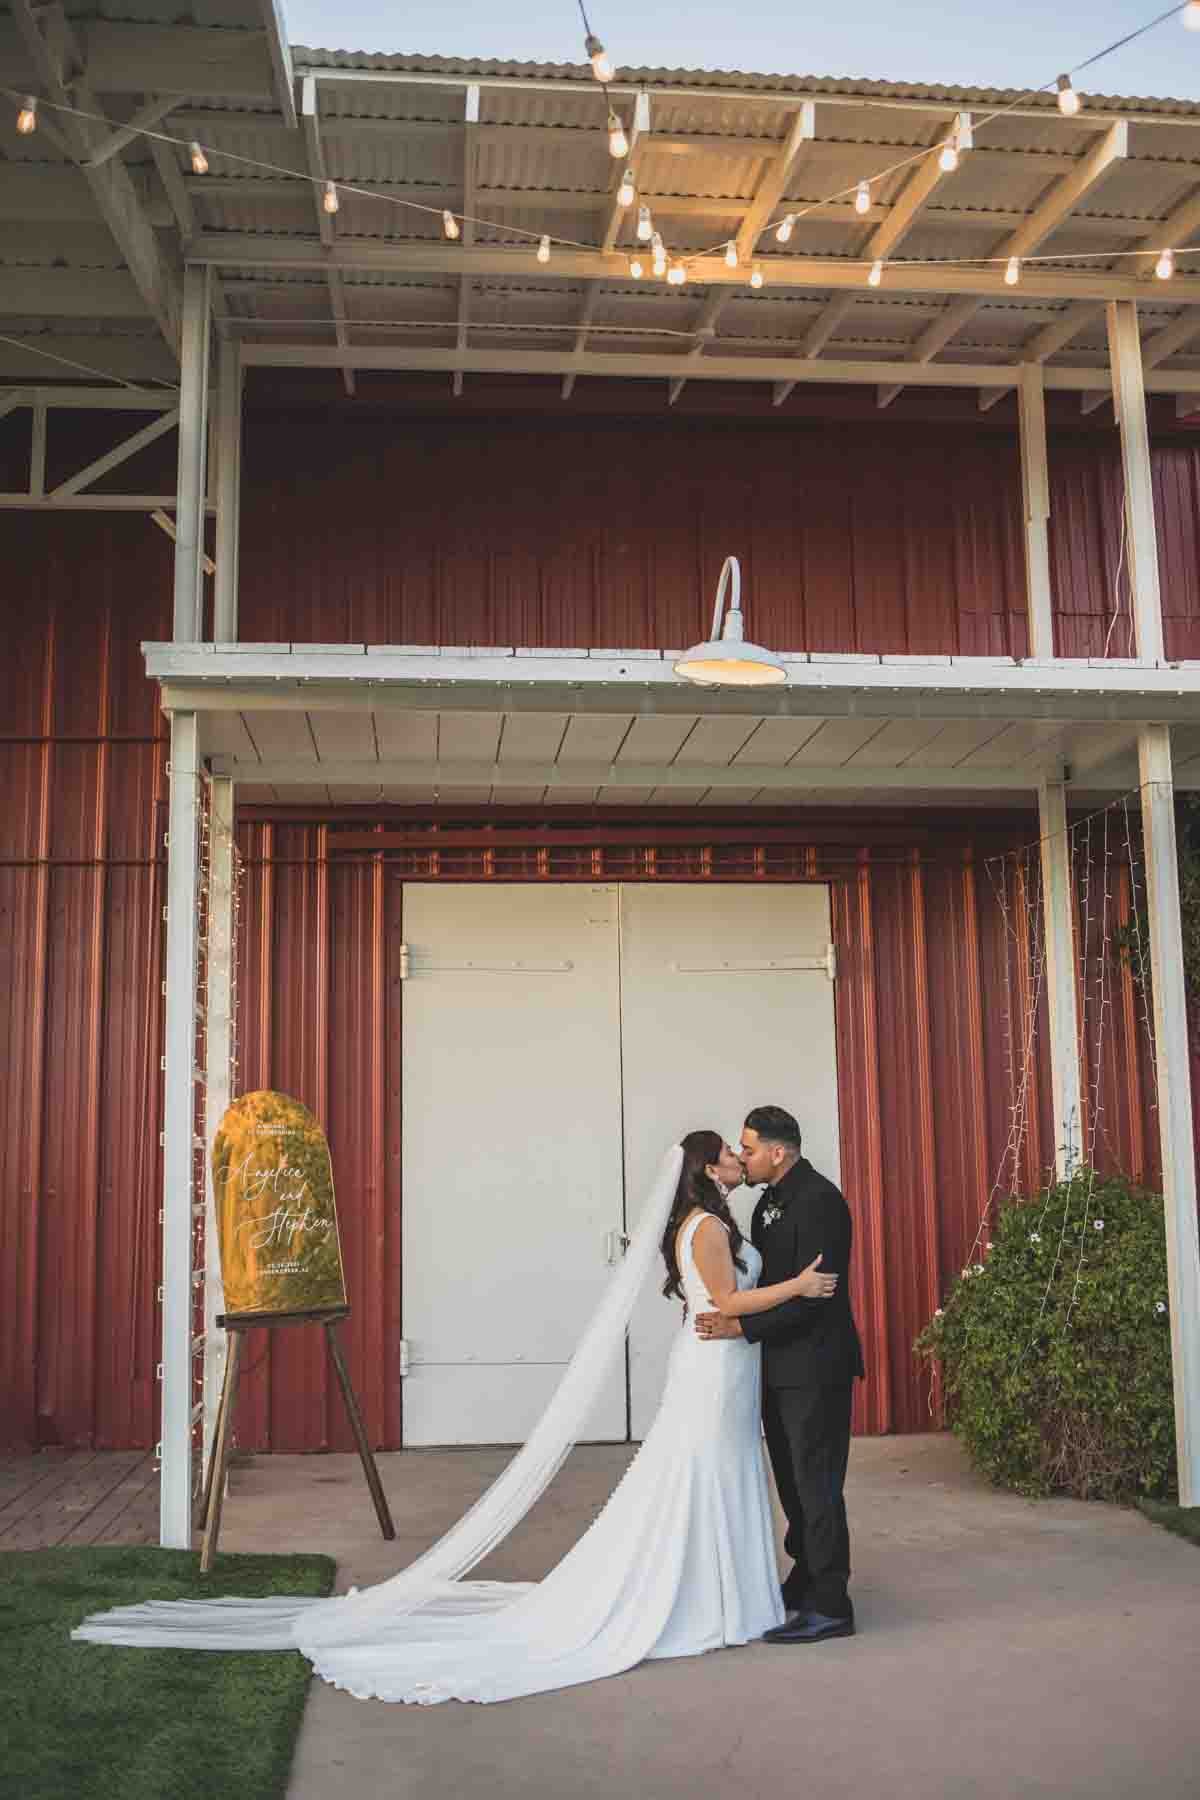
(237, 1324)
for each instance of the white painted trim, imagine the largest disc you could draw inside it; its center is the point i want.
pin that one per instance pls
(193, 454)
(1058, 913)
(179, 1037)
(217, 1090)
(1174, 1099)
(1129, 397)
(1035, 487)
(229, 491)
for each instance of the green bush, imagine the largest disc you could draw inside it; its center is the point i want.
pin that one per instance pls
(1054, 1349)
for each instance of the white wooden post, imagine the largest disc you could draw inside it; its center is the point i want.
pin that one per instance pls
(229, 486)
(190, 485)
(175, 1494)
(1059, 916)
(218, 1075)
(1129, 399)
(1174, 1097)
(1035, 487)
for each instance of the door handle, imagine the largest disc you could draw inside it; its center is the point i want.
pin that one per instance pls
(615, 1245)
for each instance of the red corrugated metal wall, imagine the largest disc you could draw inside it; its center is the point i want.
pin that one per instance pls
(603, 538)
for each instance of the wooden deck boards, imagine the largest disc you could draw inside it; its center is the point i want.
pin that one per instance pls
(78, 1497)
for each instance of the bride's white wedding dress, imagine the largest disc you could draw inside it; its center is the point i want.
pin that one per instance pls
(681, 1560)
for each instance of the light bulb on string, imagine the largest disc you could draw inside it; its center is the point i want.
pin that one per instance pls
(449, 224)
(329, 200)
(1012, 271)
(948, 157)
(731, 255)
(645, 224)
(199, 160)
(785, 228)
(27, 117)
(618, 143)
(626, 190)
(1164, 268)
(676, 274)
(543, 249)
(599, 58)
(756, 277)
(862, 197)
(1069, 102)
(875, 275)
(660, 254)
(636, 268)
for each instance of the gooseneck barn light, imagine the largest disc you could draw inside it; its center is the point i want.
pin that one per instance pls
(727, 660)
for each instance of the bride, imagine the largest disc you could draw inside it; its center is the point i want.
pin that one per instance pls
(680, 1560)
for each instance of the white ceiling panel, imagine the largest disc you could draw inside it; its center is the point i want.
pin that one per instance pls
(407, 736)
(836, 742)
(531, 737)
(656, 738)
(281, 734)
(715, 740)
(348, 736)
(776, 741)
(468, 737)
(595, 737)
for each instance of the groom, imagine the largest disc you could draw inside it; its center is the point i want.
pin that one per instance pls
(811, 1357)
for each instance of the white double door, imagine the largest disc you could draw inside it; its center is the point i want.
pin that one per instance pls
(556, 1041)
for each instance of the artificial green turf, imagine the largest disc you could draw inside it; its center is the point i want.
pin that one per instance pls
(1183, 1520)
(93, 1722)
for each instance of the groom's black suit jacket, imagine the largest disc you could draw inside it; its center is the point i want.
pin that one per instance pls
(806, 1343)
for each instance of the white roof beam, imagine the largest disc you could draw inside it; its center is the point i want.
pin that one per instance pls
(772, 185)
(149, 114)
(638, 129)
(923, 181)
(84, 478)
(1041, 224)
(470, 199)
(1155, 350)
(54, 51)
(310, 123)
(283, 78)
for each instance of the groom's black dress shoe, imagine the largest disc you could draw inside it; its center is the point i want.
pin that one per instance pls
(809, 1628)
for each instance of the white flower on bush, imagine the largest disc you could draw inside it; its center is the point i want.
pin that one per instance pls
(1035, 1237)
(1097, 1224)
(1161, 1307)
(988, 1245)
(978, 1269)
(940, 1313)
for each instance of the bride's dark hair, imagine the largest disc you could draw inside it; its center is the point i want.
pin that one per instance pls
(697, 1189)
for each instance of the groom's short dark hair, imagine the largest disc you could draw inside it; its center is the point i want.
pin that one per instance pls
(775, 1125)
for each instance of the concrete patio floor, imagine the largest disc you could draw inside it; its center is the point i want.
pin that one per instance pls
(1005, 1648)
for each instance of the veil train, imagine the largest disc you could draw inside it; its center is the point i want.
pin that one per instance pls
(432, 1585)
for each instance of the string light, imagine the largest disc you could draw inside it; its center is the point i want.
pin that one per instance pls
(862, 193)
(1069, 102)
(660, 254)
(876, 274)
(1191, 16)
(626, 190)
(948, 155)
(1164, 268)
(599, 58)
(330, 198)
(636, 268)
(199, 160)
(645, 224)
(756, 277)
(677, 274)
(731, 255)
(1012, 272)
(449, 224)
(27, 117)
(785, 228)
(543, 249)
(618, 143)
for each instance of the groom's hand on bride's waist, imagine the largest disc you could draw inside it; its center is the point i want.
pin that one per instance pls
(716, 1325)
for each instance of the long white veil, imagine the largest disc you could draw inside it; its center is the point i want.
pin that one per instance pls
(429, 1582)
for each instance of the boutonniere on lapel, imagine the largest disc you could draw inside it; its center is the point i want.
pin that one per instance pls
(772, 1212)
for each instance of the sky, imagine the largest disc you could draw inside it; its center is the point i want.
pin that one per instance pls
(1007, 43)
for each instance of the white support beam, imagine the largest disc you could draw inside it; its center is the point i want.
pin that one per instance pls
(175, 188)
(469, 192)
(1042, 223)
(193, 449)
(229, 490)
(1155, 350)
(147, 115)
(279, 52)
(653, 365)
(54, 51)
(37, 452)
(772, 186)
(1058, 919)
(1129, 398)
(326, 221)
(121, 452)
(1035, 489)
(1172, 1058)
(179, 1125)
(638, 129)
(218, 1092)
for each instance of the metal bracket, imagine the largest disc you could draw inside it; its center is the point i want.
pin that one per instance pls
(781, 965)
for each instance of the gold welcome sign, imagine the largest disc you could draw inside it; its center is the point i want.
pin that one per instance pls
(276, 1215)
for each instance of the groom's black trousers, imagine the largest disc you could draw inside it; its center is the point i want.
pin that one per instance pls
(808, 1439)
